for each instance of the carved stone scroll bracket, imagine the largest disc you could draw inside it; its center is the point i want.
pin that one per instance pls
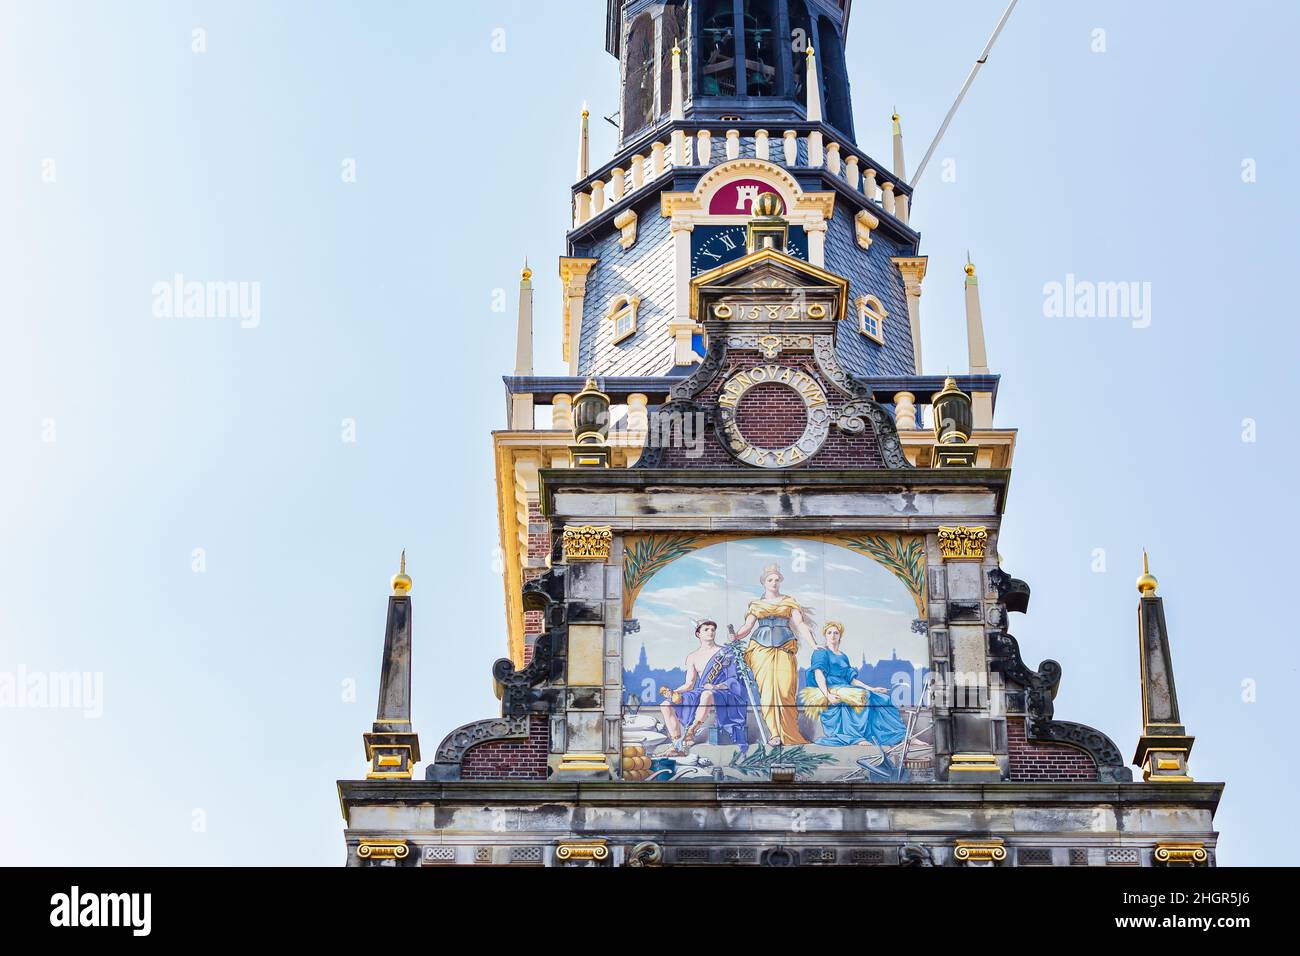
(855, 416)
(915, 854)
(1040, 687)
(451, 751)
(646, 854)
(709, 369)
(864, 408)
(519, 690)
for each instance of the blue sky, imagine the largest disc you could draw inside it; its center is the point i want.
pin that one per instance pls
(134, 440)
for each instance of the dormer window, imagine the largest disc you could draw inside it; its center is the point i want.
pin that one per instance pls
(871, 318)
(622, 313)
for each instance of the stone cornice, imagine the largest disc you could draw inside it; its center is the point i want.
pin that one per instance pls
(614, 479)
(499, 793)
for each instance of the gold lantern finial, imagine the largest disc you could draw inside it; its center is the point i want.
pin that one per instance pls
(1146, 584)
(401, 581)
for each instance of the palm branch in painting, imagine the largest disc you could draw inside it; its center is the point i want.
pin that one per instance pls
(761, 761)
(903, 555)
(643, 556)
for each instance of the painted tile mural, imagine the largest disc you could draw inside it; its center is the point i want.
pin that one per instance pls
(802, 654)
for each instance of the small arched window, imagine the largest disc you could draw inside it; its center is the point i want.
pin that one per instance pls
(871, 318)
(622, 315)
(639, 71)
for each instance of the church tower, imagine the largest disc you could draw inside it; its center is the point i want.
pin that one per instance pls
(753, 603)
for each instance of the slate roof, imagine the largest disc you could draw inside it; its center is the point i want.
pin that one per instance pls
(646, 270)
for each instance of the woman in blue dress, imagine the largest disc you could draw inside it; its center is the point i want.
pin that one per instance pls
(850, 711)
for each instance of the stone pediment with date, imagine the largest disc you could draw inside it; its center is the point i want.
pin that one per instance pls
(770, 393)
(768, 287)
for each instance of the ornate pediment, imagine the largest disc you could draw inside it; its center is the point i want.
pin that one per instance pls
(767, 287)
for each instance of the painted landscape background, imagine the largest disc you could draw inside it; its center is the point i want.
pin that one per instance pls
(830, 582)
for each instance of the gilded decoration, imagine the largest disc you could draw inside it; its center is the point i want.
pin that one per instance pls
(581, 850)
(962, 543)
(383, 850)
(980, 851)
(1193, 853)
(587, 542)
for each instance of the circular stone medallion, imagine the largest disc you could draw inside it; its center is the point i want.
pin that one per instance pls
(810, 394)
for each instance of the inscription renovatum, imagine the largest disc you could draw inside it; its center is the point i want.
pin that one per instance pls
(809, 402)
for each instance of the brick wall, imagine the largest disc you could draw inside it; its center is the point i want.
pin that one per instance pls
(1035, 761)
(777, 416)
(539, 532)
(510, 759)
(539, 548)
(771, 415)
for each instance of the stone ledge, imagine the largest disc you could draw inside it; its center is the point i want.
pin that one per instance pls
(504, 793)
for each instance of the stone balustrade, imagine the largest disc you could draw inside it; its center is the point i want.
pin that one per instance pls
(704, 148)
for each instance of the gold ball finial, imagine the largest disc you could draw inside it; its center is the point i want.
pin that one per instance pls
(527, 272)
(401, 582)
(1146, 584)
(768, 206)
(970, 268)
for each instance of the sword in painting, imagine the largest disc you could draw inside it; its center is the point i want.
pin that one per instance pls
(746, 678)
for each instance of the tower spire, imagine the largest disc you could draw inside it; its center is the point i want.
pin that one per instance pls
(1164, 746)
(813, 85)
(676, 110)
(524, 331)
(978, 355)
(521, 405)
(900, 168)
(584, 146)
(392, 747)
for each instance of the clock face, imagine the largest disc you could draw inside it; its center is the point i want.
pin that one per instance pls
(713, 246)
